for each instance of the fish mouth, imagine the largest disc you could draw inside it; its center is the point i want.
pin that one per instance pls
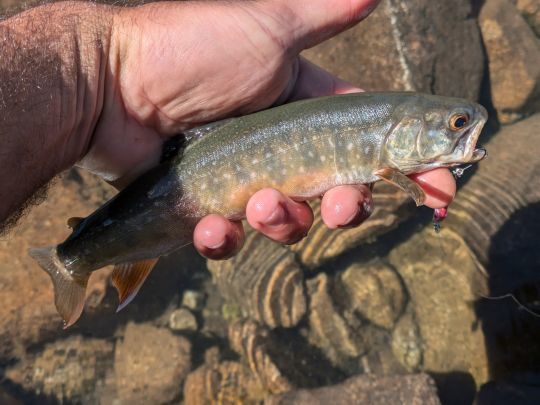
(478, 154)
(466, 147)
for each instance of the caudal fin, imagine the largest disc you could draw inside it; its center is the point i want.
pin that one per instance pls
(69, 290)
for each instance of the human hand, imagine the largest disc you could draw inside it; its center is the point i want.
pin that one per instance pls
(174, 66)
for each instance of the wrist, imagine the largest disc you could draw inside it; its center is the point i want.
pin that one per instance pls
(52, 70)
(65, 46)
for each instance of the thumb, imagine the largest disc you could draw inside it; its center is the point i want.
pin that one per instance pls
(318, 20)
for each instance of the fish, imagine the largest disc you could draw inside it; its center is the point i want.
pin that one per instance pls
(302, 149)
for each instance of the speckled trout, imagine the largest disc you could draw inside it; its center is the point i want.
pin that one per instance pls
(302, 149)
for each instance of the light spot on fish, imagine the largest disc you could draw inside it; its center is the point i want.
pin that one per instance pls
(350, 146)
(323, 158)
(255, 161)
(330, 142)
(302, 169)
(366, 150)
(226, 175)
(310, 154)
(268, 155)
(284, 172)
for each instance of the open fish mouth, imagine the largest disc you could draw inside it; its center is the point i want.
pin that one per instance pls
(467, 148)
(478, 154)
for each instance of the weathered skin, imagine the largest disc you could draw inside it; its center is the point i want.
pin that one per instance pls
(301, 149)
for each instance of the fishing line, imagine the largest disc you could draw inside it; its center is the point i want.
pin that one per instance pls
(513, 297)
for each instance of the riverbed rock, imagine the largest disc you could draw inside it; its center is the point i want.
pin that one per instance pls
(407, 343)
(193, 299)
(72, 370)
(329, 330)
(426, 46)
(150, 364)
(264, 281)
(375, 291)
(182, 320)
(255, 345)
(413, 389)
(392, 207)
(228, 382)
(513, 53)
(441, 275)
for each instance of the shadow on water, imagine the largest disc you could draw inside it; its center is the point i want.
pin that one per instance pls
(511, 331)
(173, 274)
(456, 388)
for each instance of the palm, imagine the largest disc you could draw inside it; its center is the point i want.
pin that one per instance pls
(216, 69)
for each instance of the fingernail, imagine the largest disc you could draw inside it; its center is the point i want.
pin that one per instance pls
(211, 242)
(277, 217)
(364, 211)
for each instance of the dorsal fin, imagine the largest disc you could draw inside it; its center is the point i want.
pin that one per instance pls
(128, 278)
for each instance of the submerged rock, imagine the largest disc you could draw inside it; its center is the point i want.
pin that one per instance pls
(392, 206)
(182, 320)
(264, 281)
(329, 330)
(71, 370)
(407, 344)
(440, 274)
(193, 300)
(224, 383)
(254, 344)
(374, 291)
(416, 389)
(150, 364)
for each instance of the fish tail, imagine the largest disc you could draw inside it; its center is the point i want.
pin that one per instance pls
(69, 289)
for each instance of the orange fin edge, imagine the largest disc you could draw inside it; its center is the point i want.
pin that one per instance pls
(128, 278)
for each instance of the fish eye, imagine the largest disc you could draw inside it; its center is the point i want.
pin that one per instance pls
(458, 121)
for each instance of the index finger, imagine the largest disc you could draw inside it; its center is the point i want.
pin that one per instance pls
(439, 186)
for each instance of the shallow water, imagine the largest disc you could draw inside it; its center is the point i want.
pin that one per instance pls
(390, 312)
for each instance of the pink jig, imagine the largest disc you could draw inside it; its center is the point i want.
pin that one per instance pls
(439, 214)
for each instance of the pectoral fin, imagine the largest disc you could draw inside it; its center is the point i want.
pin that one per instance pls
(128, 278)
(398, 179)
